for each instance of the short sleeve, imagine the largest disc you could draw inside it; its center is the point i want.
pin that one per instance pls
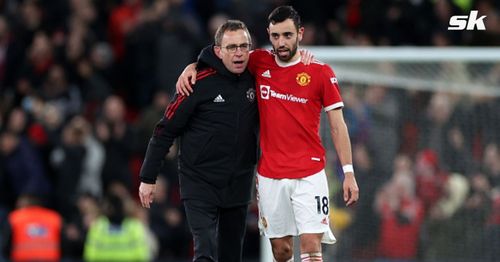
(257, 58)
(331, 98)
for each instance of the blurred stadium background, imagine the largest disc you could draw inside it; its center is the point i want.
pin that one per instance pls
(83, 82)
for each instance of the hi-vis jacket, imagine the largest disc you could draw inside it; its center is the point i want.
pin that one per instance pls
(218, 128)
(36, 234)
(108, 242)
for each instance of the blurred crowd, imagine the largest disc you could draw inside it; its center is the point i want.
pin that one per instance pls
(428, 165)
(83, 82)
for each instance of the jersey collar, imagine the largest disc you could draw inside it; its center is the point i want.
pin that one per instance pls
(286, 64)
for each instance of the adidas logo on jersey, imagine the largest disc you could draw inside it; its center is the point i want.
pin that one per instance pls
(267, 74)
(219, 99)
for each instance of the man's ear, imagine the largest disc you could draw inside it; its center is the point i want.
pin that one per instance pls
(301, 33)
(217, 51)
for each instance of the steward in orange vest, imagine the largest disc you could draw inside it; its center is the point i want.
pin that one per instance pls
(35, 232)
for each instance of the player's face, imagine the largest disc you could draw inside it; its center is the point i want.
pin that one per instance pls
(234, 50)
(285, 39)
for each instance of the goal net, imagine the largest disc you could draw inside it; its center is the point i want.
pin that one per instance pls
(474, 71)
(425, 128)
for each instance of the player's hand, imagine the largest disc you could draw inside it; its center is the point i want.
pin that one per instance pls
(306, 56)
(146, 194)
(186, 79)
(351, 190)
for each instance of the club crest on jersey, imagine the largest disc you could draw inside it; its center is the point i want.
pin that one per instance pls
(251, 95)
(303, 79)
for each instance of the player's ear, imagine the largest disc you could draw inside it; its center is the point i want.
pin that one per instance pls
(300, 33)
(217, 50)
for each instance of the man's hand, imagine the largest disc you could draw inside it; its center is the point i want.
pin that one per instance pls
(186, 79)
(306, 56)
(351, 190)
(146, 194)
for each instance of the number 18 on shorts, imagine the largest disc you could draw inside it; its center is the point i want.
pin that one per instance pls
(291, 207)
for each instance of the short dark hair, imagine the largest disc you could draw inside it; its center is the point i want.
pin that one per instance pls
(114, 208)
(230, 25)
(284, 12)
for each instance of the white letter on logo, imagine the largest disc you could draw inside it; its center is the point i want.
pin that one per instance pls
(474, 21)
(458, 22)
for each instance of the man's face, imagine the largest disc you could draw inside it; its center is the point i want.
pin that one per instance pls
(285, 39)
(234, 50)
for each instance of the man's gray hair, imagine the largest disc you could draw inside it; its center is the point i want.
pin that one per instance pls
(230, 25)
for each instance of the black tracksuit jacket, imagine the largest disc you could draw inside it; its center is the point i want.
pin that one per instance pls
(218, 129)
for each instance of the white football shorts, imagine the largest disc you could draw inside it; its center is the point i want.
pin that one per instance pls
(291, 207)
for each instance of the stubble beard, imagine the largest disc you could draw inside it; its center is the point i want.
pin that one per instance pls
(292, 51)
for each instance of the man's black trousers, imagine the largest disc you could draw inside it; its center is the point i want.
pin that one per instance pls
(218, 233)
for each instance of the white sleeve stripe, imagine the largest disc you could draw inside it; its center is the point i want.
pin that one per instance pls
(334, 106)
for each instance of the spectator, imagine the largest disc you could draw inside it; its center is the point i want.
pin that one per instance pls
(7, 55)
(77, 226)
(473, 220)
(90, 179)
(60, 93)
(401, 214)
(123, 19)
(40, 58)
(116, 236)
(22, 167)
(491, 163)
(113, 131)
(383, 108)
(67, 160)
(149, 117)
(436, 124)
(457, 156)
(357, 115)
(445, 224)
(430, 178)
(33, 232)
(95, 87)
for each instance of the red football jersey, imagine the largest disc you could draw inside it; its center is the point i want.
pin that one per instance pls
(290, 98)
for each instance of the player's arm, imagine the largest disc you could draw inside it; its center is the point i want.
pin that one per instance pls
(340, 137)
(187, 78)
(171, 126)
